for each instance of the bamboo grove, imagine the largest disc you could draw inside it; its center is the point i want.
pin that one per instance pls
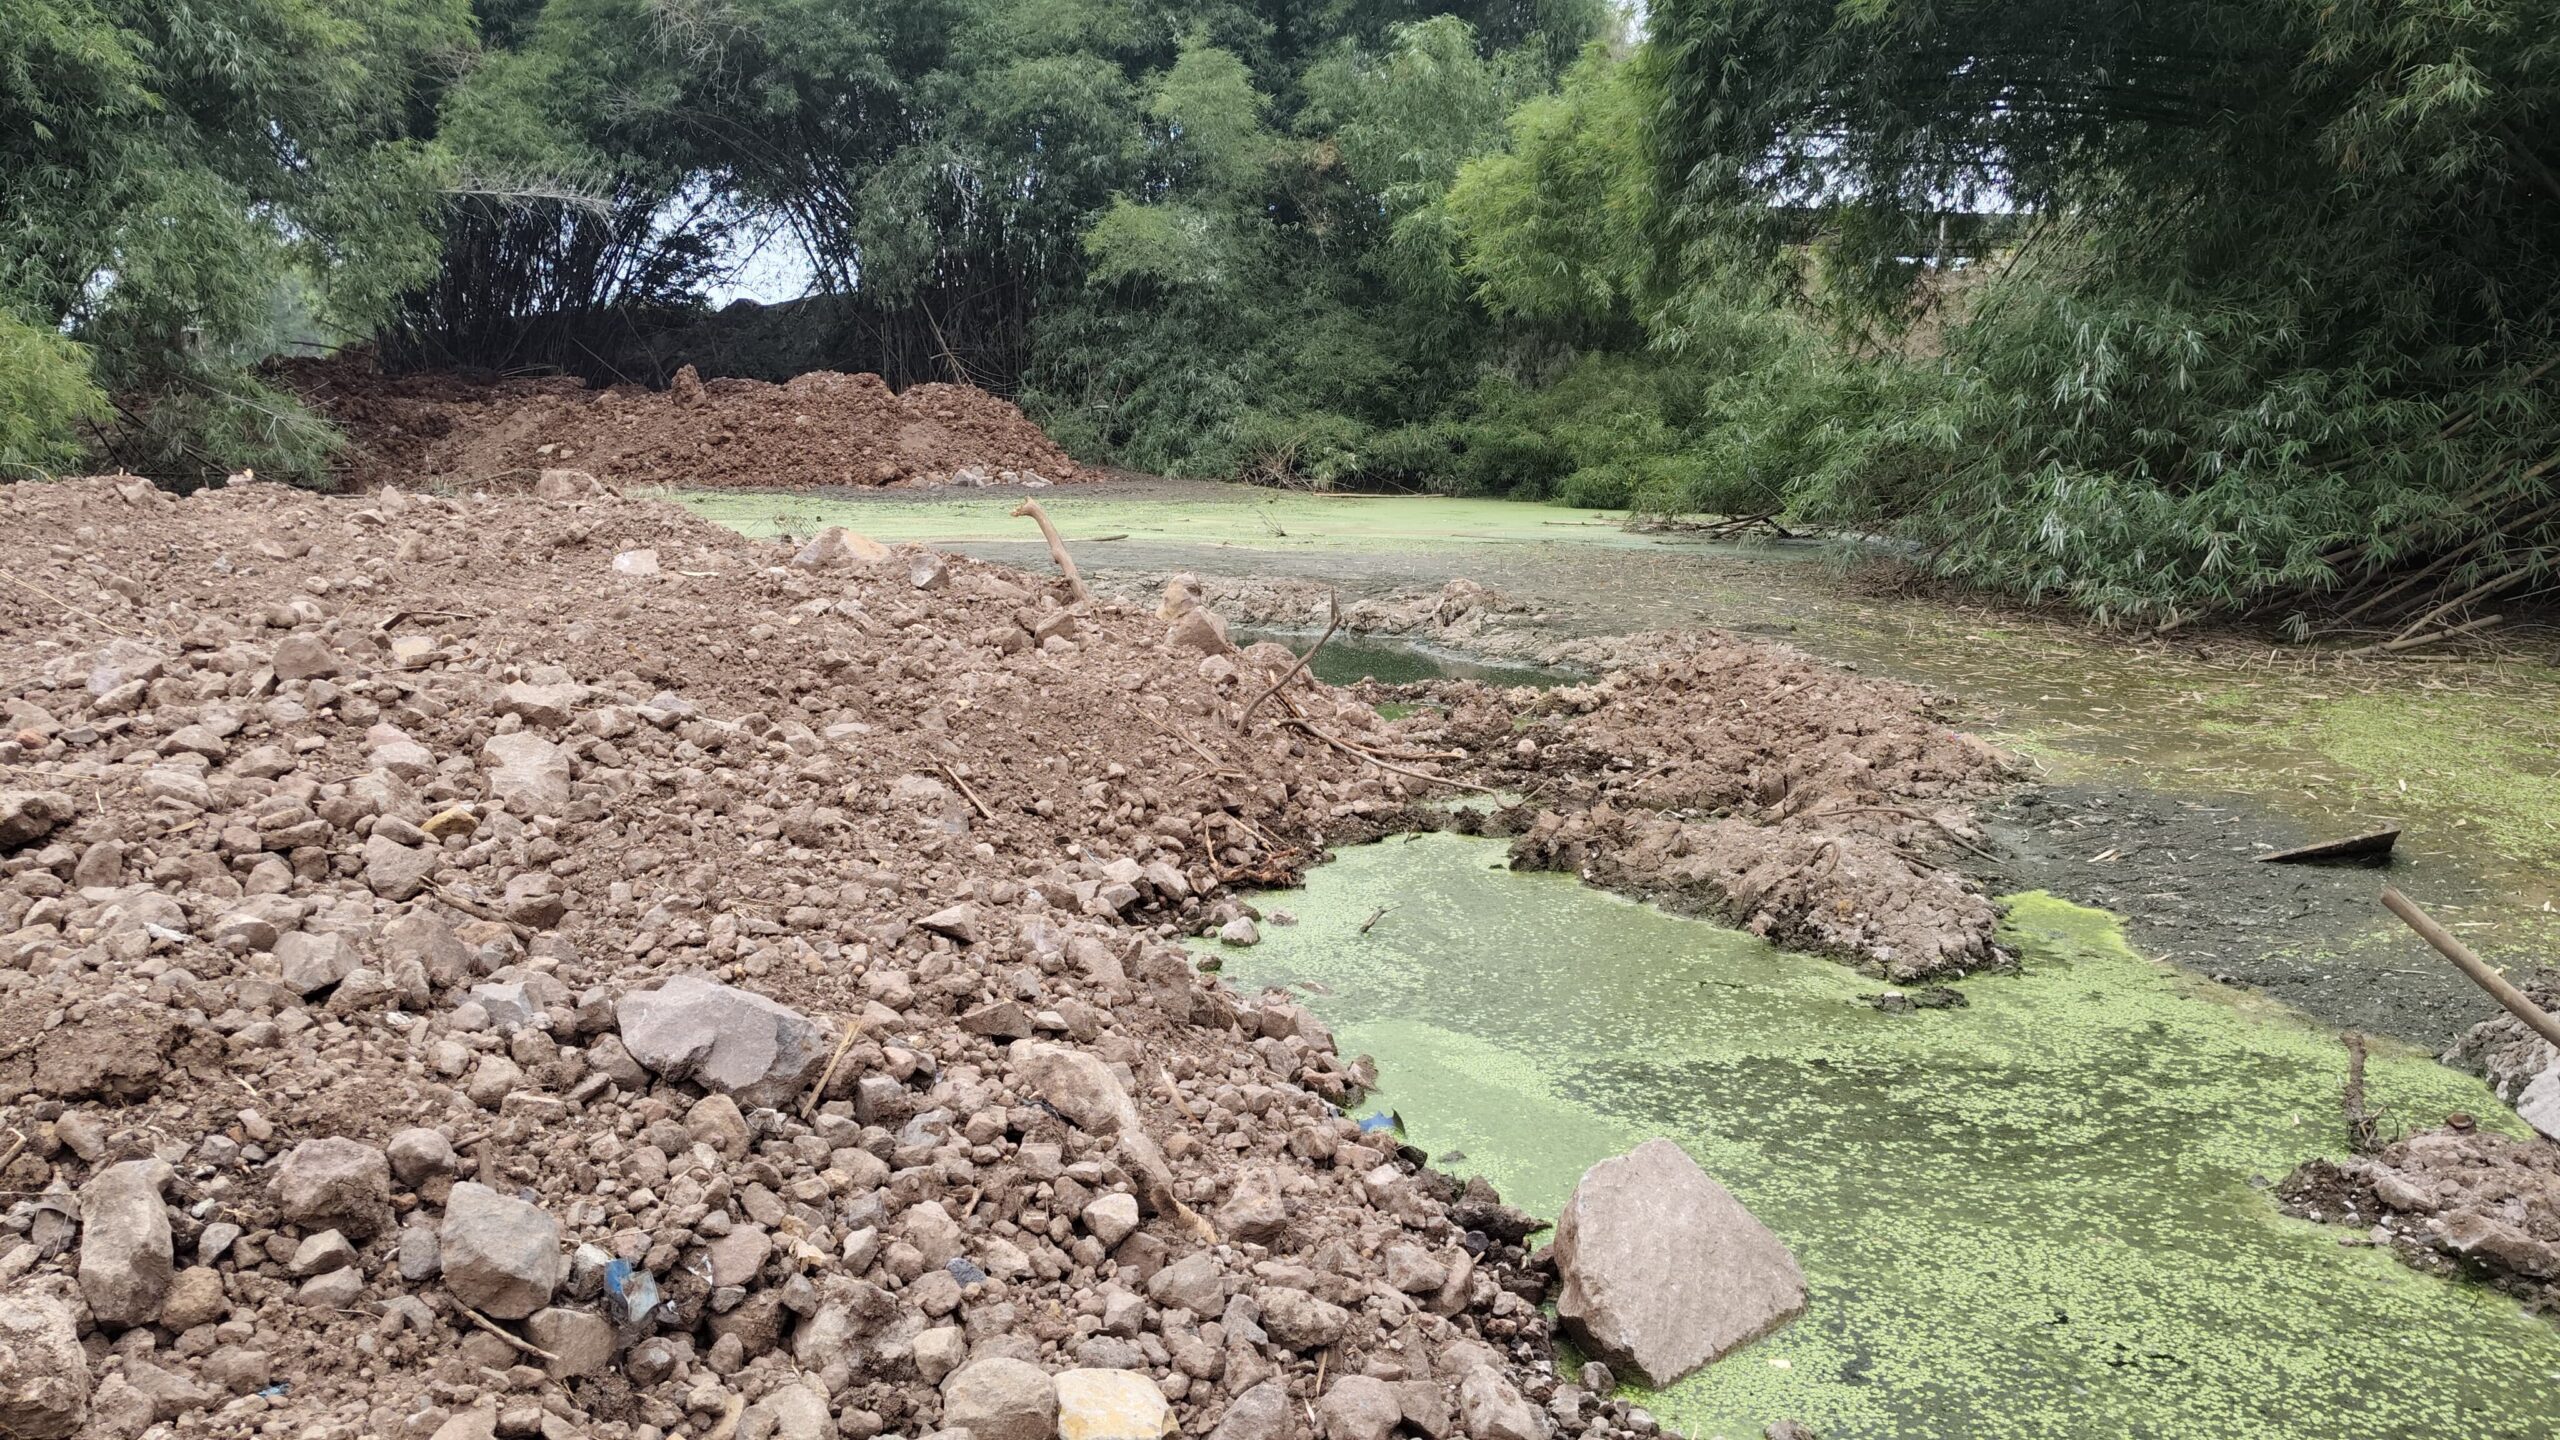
(2211, 309)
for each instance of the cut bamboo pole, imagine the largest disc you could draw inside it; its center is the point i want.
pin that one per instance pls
(2482, 974)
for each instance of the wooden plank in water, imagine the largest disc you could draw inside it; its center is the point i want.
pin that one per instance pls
(2374, 845)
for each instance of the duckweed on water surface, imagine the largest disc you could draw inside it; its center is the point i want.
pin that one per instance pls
(2037, 1216)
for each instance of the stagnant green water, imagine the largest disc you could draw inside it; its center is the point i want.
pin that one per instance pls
(1349, 659)
(2037, 1216)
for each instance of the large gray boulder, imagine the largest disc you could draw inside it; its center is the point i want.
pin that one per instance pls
(44, 1374)
(1663, 1269)
(126, 1253)
(726, 1039)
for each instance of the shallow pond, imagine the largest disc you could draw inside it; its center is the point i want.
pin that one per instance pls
(1349, 659)
(2041, 1215)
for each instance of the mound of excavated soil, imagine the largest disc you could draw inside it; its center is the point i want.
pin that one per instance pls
(819, 429)
(550, 966)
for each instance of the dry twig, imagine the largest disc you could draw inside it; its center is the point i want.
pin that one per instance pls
(1333, 603)
(1057, 547)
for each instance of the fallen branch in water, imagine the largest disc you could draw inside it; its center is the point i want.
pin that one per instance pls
(1057, 547)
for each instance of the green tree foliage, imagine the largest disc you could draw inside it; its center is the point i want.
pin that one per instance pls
(2284, 320)
(168, 168)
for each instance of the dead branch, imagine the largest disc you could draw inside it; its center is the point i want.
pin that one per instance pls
(2363, 1135)
(1348, 748)
(518, 1341)
(1057, 547)
(99, 620)
(954, 777)
(1333, 601)
(2420, 642)
(809, 1106)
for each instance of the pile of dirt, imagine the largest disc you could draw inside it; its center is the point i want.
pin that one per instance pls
(545, 965)
(821, 429)
(1718, 775)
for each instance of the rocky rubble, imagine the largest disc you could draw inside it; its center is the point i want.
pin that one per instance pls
(2456, 1198)
(453, 984)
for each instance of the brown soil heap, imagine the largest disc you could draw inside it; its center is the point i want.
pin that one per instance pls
(820, 429)
(545, 965)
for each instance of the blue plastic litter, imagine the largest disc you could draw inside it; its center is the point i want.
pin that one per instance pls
(630, 1296)
(275, 1391)
(1372, 1124)
(966, 1273)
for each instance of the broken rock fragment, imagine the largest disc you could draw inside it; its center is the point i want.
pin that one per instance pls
(723, 1038)
(1096, 1404)
(1663, 1269)
(501, 1256)
(334, 1184)
(27, 816)
(44, 1374)
(126, 1254)
(1000, 1399)
(1078, 1084)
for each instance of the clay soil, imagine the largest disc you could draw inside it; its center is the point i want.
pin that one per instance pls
(820, 429)
(352, 824)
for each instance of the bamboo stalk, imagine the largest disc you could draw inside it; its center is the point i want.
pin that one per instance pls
(2518, 1004)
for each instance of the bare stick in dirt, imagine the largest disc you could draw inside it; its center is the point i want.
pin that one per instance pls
(2517, 1002)
(954, 777)
(1334, 603)
(518, 1341)
(2363, 1135)
(98, 620)
(1057, 547)
(809, 1106)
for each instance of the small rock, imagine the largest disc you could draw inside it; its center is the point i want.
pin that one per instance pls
(1265, 1411)
(334, 1184)
(1078, 1083)
(1111, 1405)
(527, 773)
(1239, 931)
(27, 816)
(636, 562)
(195, 1298)
(582, 1339)
(1490, 1409)
(1359, 1407)
(500, 1256)
(304, 657)
(418, 1155)
(999, 1398)
(1110, 1218)
(319, 1254)
(126, 1254)
(44, 1374)
(835, 546)
(724, 1038)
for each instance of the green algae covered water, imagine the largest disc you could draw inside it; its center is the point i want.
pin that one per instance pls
(2041, 1215)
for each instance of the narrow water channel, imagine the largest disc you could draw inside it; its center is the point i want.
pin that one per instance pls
(2041, 1215)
